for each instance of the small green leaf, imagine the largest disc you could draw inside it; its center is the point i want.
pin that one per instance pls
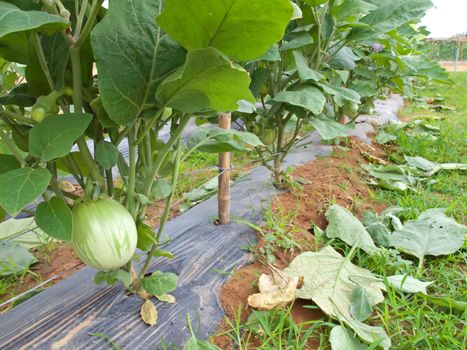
(163, 253)
(360, 304)
(107, 154)
(145, 236)
(160, 283)
(160, 189)
(20, 187)
(14, 259)
(54, 136)
(55, 218)
(408, 284)
(100, 277)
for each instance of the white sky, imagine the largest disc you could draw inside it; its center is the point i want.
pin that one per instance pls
(448, 18)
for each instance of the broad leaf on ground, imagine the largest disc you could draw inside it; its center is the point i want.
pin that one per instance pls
(431, 167)
(329, 280)
(133, 56)
(433, 233)
(22, 231)
(54, 136)
(343, 339)
(14, 259)
(20, 187)
(408, 284)
(207, 82)
(345, 226)
(149, 313)
(242, 29)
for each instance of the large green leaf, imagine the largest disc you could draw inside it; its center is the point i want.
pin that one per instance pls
(345, 226)
(55, 218)
(208, 81)
(308, 97)
(304, 71)
(133, 56)
(19, 96)
(22, 231)
(330, 129)
(8, 163)
(408, 284)
(54, 136)
(392, 15)
(342, 339)
(13, 20)
(433, 233)
(329, 280)
(242, 29)
(216, 140)
(21, 186)
(14, 259)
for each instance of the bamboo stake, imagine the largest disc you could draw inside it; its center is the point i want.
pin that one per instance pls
(223, 194)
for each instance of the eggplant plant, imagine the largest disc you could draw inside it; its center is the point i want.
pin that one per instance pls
(96, 79)
(335, 59)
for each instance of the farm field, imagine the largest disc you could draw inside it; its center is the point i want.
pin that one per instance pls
(220, 175)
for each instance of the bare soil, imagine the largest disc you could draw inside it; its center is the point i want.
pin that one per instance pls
(335, 179)
(449, 66)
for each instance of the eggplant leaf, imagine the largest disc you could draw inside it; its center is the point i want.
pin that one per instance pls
(242, 29)
(207, 82)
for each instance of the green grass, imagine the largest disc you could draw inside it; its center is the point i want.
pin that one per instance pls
(450, 189)
(411, 321)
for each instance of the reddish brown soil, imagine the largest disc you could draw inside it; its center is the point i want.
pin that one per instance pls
(56, 264)
(336, 179)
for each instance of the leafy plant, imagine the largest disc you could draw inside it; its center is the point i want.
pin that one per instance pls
(149, 75)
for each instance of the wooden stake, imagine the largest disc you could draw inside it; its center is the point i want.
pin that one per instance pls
(223, 194)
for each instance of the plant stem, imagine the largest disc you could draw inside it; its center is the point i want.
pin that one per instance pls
(96, 5)
(163, 154)
(130, 199)
(53, 182)
(42, 60)
(78, 108)
(11, 146)
(19, 117)
(165, 215)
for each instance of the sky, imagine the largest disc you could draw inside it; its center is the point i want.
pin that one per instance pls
(448, 18)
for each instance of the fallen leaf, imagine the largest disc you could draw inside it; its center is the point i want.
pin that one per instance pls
(166, 298)
(273, 294)
(149, 313)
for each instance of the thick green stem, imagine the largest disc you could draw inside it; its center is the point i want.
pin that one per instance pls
(131, 204)
(163, 154)
(165, 215)
(53, 183)
(42, 60)
(96, 5)
(78, 108)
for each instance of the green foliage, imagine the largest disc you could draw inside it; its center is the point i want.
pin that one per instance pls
(160, 283)
(55, 218)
